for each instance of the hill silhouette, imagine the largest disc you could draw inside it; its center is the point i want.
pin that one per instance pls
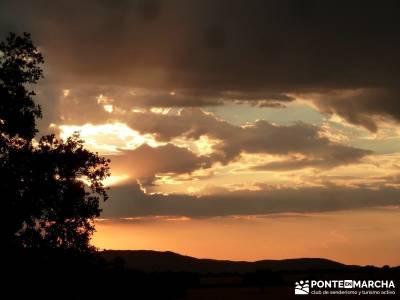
(156, 261)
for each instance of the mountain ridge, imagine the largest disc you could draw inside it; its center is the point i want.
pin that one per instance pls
(154, 261)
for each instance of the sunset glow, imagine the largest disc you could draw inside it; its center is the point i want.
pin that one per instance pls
(257, 237)
(235, 129)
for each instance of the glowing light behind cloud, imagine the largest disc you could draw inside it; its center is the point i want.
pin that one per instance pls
(108, 138)
(114, 180)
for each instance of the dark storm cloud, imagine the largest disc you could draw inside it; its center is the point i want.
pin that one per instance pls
(130, 201)
(209, 47)
(189, 123)
(82, 97)
(363, 107)
(259, 137)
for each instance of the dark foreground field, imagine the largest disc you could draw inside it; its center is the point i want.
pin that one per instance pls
(167, 275)
(265, 279)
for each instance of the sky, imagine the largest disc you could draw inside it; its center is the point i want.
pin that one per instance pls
(238, 130)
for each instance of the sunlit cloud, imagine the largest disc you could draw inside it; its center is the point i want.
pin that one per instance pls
(204, 145)
(66, 92)
(160, 110)
(108, 138)
(101, 99)
(108, 108)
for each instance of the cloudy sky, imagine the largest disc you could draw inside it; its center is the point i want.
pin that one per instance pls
(236, 129)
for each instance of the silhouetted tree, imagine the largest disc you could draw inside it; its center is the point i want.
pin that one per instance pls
(20, 64)
(50, 189)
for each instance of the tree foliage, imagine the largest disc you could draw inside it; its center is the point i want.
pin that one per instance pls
(20, 64)
(50, 189)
